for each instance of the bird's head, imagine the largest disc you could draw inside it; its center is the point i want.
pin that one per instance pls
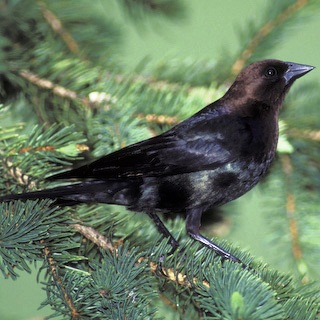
(267, 81)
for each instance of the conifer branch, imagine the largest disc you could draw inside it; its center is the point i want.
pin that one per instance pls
(96, 237)
(158, 119)
(263, 32)
(291, 210)
(53, 270)
(175, 276)
(80, 286)
(152, 82)
(57, 27)
(104, 243)
(79, 146)
(313, 135)
(49, 85)
(18, 175)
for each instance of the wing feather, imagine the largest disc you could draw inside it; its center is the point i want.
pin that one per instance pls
(188, 147)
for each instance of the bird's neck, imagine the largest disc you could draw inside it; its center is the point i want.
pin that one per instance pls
(249, 107)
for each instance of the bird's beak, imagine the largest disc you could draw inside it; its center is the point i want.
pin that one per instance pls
(295, 71)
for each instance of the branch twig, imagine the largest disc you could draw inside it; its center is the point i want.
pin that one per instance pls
(49, 85)
(53, 270)
(57, 27)
(313, 135)
(96, 237)
(291, 210)
(159, 119)
(264, 31)
(18, 175)
(103, 242)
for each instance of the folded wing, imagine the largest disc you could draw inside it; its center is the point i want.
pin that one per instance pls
(179, 150)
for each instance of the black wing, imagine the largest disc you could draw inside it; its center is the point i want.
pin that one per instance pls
(198, 143)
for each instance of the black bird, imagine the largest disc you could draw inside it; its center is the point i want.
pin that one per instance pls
(211, 158)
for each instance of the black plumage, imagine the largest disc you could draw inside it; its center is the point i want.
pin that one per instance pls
(211, 158)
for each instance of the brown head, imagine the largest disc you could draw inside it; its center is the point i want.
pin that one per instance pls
(266, 82)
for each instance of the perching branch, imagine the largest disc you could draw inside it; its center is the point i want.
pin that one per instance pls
(104, 243)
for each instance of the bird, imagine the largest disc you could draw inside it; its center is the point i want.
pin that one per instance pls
(205, 161)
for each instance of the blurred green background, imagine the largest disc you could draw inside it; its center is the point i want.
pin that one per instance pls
(208, 26)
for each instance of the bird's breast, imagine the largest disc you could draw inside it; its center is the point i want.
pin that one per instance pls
(211, 188)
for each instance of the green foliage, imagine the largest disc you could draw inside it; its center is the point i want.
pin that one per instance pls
(66, 99)
(100, 294)
(25, 230)
(230, 296)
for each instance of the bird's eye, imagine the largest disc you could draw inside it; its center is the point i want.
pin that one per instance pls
(271, 72)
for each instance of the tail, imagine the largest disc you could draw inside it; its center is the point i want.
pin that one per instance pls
(62, 194)
(112, 192)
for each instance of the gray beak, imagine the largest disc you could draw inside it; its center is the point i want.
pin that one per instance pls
(295, 71)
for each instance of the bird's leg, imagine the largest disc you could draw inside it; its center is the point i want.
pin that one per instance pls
(193, 224)
(163, 230)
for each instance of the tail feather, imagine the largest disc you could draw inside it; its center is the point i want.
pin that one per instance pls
(60, 193)
(112, 192)
(53, 193)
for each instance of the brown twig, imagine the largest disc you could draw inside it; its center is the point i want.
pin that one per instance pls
(175, 276)
(53, 270)
(57, 27)
(103, 242)
(79, 146)
(263, 32)
(313, 135)
(158, 119)
(291, 209)
(96, 237)
(49, 85)
(18, 175)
